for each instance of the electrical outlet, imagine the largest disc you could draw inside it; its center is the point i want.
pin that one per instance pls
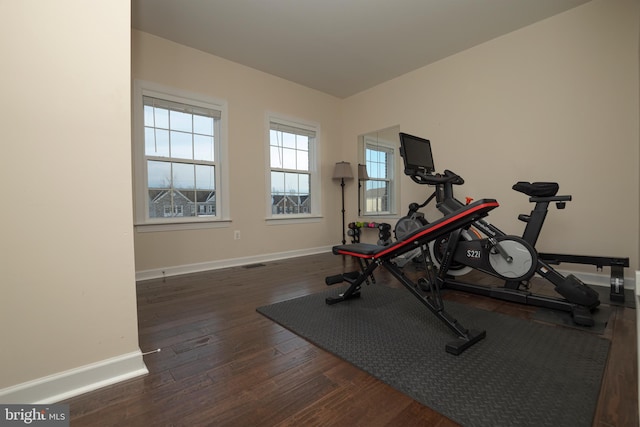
(236, 235)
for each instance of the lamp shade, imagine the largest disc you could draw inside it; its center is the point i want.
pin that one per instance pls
(342, 171)
(362, 173)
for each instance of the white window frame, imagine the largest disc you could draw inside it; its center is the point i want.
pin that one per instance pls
(142, 220)
(371, 142)
(314, 170)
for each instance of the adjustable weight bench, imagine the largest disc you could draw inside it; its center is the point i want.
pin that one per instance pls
(372, 256)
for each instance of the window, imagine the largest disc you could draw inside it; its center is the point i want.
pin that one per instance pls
(293, 171)
(379, 153)
(179, 156)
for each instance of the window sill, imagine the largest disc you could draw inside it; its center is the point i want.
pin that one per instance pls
(177, 226)
(293, 219)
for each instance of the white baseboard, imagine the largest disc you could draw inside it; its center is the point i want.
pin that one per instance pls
(602, 278)
(598, 279)
(64, 385)
(159, 273)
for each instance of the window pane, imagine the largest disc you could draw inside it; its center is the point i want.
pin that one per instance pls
(158, 174)
(148, 116)
(372, 170)
(303, 142)
(162, 143)
(160, 203)
(203, 147)
(183, 176)
(181, 121)
(277, 182)
(304, 183)
(288, 139)
(150, 147)
(181, 147)
(304, 186)
(159, 189)
(377, 196)
(205, 177)
(161, 118)
(289, 158)
(291, 183)
(203, 125)
(275, 139)
(276, 157)
(205, 191)
(156, 142)
(302, 161)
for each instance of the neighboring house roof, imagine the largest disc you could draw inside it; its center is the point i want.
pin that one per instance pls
(278, 198)
(158, 195)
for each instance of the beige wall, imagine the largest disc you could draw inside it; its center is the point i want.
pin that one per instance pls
(556, 101)
(250, 94)
(68, 280)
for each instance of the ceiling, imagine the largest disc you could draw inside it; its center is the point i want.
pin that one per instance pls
(340, 47)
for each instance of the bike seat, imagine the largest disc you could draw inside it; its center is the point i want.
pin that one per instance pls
(537, 189)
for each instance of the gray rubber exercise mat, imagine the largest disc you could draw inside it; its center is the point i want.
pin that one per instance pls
(522, 374)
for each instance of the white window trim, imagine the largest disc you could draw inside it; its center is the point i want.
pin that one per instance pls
(395, 167)
(141, 211)
(314, 169)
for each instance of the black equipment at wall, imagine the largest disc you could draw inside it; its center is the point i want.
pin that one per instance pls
(577, 298)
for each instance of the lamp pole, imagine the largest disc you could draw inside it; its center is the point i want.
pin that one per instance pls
(342, 171)
(362, 176)
(344, 240)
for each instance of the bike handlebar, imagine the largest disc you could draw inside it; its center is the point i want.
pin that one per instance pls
(420, 177)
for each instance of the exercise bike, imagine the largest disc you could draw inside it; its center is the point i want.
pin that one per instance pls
(484, 247)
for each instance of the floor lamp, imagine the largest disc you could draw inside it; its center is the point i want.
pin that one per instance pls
(362, 176)
(342, 171)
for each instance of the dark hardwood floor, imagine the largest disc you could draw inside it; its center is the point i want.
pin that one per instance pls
(223, 364)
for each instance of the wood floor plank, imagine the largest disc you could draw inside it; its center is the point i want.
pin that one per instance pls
(223, 364)
(619, 391)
